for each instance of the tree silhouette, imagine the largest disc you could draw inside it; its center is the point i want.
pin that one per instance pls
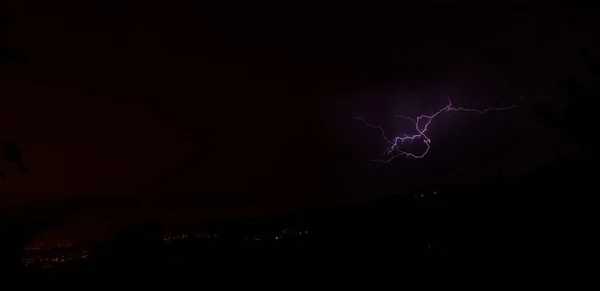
(8, 52)
(12, 155)
(15, 235)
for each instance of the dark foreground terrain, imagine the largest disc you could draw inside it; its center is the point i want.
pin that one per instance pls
(537, 219)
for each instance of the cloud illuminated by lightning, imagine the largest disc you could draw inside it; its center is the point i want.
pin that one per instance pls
(421, 123)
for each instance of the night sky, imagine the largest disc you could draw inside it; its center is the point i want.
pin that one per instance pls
(133, 110)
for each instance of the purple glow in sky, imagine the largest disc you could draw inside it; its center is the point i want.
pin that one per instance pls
(421, 123)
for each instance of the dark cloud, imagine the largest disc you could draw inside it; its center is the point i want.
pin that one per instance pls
(149, 104)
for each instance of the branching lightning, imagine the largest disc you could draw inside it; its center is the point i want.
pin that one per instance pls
(421, 123)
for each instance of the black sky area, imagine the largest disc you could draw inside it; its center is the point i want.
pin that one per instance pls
(176, 111)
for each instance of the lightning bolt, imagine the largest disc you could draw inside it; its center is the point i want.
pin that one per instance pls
(421, 124)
